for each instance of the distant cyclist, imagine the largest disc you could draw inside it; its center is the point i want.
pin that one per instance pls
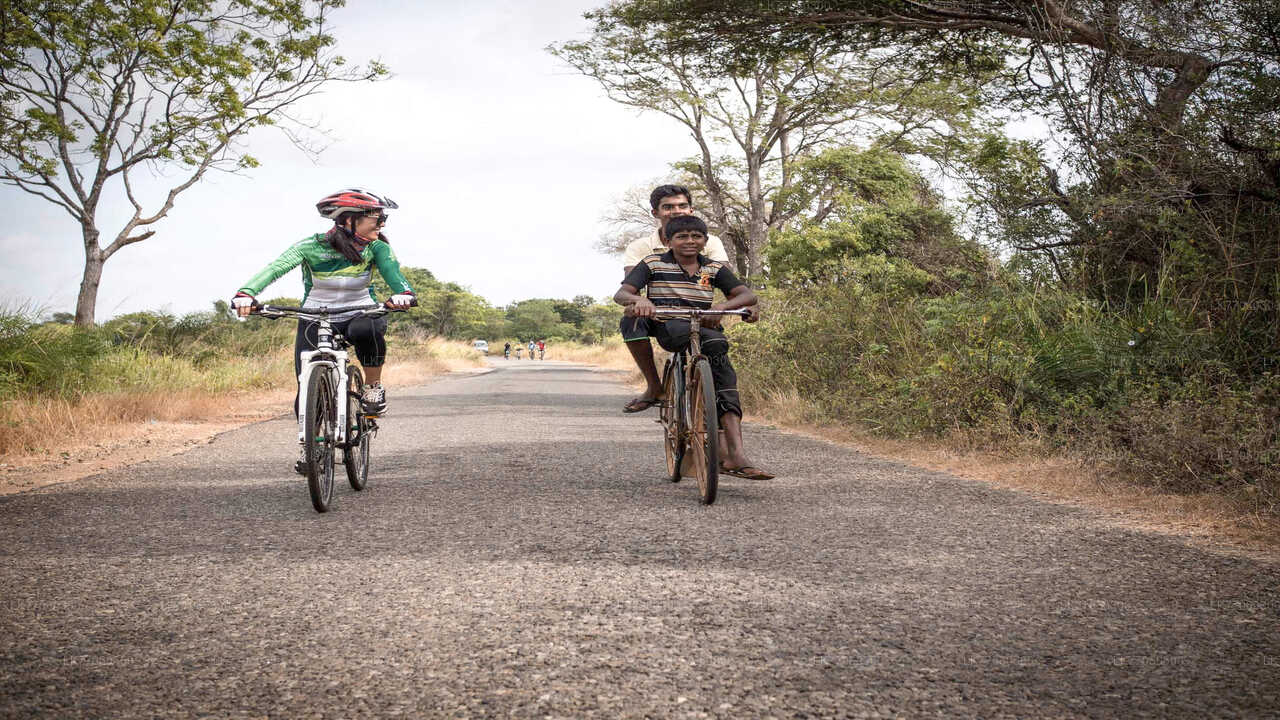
(542, 349)
(533, 347)
(337, 270)
(506, 351)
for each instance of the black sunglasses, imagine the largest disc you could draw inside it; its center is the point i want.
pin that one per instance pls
(380, 217)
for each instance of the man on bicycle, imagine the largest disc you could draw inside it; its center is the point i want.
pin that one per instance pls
(666, 202)
(683, 277)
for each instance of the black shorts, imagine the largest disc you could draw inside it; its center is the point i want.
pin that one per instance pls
(673, 336)
(635, 328)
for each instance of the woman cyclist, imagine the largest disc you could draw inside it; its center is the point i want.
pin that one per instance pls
(337, 270)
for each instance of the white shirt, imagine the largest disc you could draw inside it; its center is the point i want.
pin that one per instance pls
(642, 248)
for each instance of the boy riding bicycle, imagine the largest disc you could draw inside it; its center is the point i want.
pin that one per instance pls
(667, 202)
(683, 277)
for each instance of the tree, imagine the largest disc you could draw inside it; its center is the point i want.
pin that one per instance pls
(602, 320)
(849, 203)
(569, 312)
(628, 218)
(453, 311)
(537, 318)
(93, 91)
(768, 109)
(446, 309)
(1163, 174)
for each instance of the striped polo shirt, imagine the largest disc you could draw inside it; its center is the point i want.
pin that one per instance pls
(670, 286)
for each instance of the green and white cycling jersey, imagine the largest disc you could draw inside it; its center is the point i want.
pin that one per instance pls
(328, 278)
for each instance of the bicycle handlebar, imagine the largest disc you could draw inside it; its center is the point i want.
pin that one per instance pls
(279, 311)
(696, 312)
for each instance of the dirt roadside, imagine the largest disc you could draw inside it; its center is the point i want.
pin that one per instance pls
(1207, 520)
(130, 444)
(125, 444)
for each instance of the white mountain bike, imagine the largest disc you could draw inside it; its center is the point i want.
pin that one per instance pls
(325, 420)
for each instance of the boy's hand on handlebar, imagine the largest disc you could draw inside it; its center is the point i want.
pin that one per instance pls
(243, 304)
(640, 308)
(400, 301)
(753, 313)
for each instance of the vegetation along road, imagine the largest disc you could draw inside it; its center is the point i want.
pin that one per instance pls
(517, 553)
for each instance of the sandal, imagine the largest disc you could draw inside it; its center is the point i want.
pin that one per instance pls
(639, 404)
(748, 472)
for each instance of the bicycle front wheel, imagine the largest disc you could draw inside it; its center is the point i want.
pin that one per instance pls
(321, 426)
(704, 431)
(355, 455)
(671, 417)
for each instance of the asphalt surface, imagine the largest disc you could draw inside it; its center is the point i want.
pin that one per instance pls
(517, 553)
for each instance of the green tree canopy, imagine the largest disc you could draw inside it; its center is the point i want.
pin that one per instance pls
(537, 318)
(849, 203)
(1161, 174)
(93, 91)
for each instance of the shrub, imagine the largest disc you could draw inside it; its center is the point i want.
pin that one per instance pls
(1014, 360)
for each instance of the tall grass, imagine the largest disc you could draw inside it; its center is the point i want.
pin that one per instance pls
(60, 385)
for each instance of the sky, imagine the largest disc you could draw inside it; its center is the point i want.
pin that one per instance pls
(502, 159)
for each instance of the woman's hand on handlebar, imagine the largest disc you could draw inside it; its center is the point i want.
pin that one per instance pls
(243, 304)
(640, 308)
(400, 301)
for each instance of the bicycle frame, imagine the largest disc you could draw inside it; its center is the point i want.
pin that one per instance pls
(685, 428)
(328, 353)
(691, 354)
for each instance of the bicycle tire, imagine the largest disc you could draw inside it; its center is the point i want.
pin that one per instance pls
(320, 426)
(355, 456)
(672, 419)
(704, 431)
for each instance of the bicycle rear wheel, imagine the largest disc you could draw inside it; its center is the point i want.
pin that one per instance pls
(671, 417)
(704, 431)
(322, 415)
(355, 455)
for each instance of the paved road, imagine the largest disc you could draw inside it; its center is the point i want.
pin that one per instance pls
(517, 554)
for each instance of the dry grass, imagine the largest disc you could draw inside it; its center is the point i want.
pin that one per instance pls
(40, 427)
(414, 359)
(40, 430)
(611, 355)
(46, 430)
(1063, 478)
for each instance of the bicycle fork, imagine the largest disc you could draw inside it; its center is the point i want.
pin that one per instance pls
(335, 362)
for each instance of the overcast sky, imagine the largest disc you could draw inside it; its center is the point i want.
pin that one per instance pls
(502, 159)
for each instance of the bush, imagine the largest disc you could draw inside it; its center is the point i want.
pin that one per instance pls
(49, 359)
(205, 349)
(1015, 360)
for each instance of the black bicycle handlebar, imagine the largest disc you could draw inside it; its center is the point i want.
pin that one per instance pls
(691, 312)
(276, 311)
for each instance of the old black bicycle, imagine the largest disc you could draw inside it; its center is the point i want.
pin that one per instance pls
(690, 423)
(330, 415)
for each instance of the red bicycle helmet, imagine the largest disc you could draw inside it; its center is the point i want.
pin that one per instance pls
(356, 200)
